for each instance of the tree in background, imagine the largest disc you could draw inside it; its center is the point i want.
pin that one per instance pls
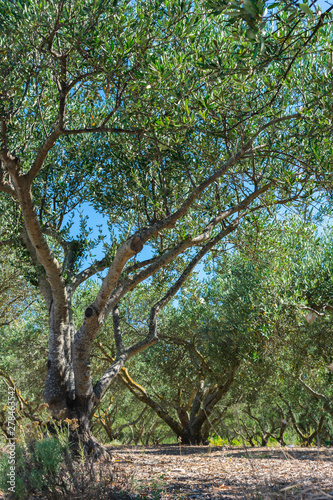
(172, 122)
(242, 336)
(16, 294)
(288, 389)
(203, 341)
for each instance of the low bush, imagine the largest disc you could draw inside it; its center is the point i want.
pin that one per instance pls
(45, 468)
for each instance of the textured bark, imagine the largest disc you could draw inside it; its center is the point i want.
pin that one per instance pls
(193, 436)
(193, 432)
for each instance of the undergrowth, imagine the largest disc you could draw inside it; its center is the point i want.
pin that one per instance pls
(45, 468)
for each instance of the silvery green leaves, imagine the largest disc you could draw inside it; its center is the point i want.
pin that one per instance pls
(249, 14)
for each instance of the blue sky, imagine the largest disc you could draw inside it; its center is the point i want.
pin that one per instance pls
(324, 4)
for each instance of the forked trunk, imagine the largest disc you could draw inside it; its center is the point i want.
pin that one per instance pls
(193, 429)
(60, 392)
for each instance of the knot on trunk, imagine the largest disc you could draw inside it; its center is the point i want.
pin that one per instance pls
(90, 311)
(136, 244)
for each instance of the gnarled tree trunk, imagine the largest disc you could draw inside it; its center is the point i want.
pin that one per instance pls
(193, 423)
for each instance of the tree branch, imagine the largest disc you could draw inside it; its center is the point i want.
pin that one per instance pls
(140, 264)
(41, 155)
(96, 267)
(117, 332)
(105, 302)
(191, 347)
(49, 39)
(140, 393)
(6, 242)
(43, 252)
(130, 282)
(318, 396)
(213, 398)
(102, 130)
(124, 354)
(5, 187)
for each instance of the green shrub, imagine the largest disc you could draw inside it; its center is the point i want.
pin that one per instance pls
(217, 441)
(36, 468)
(48, 455)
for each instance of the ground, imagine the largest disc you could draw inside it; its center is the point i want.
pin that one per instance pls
(176, 472)
(201, 472)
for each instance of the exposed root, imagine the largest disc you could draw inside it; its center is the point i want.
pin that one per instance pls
(89, 446)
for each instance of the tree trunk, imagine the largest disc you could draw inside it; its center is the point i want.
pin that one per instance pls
(59, 388)
(76, 418)
(264, 441)
(193, 423)
(81, 435)
(60, 392)
(193, 431)
(193, 436)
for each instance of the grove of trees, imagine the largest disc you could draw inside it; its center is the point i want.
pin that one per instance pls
(195, 128)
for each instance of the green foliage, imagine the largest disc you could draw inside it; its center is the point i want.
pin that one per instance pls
(48, 454)
(16, 294)
(249, 311)
(148, 100)
(36, 468)
(188, 82)
(23, 352)
(45, 468)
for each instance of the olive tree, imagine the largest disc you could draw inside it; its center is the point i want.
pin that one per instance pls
(176, 120)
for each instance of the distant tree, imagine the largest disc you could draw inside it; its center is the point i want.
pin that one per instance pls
(289, 388)
(242, 335)
(203, 341)
(16, 293)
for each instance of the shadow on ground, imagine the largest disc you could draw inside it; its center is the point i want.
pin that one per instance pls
(287, 453)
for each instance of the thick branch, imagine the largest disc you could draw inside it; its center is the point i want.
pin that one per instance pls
(80, 278)
(128, 249)
(11, 163)
(140, 393)
(117, 332)
(43, 252)
(43, 284)
(124, 354)
(140, 264)
(131, 282)
(5, 187)
(41, 155)
(170, 221)
(317, 313)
